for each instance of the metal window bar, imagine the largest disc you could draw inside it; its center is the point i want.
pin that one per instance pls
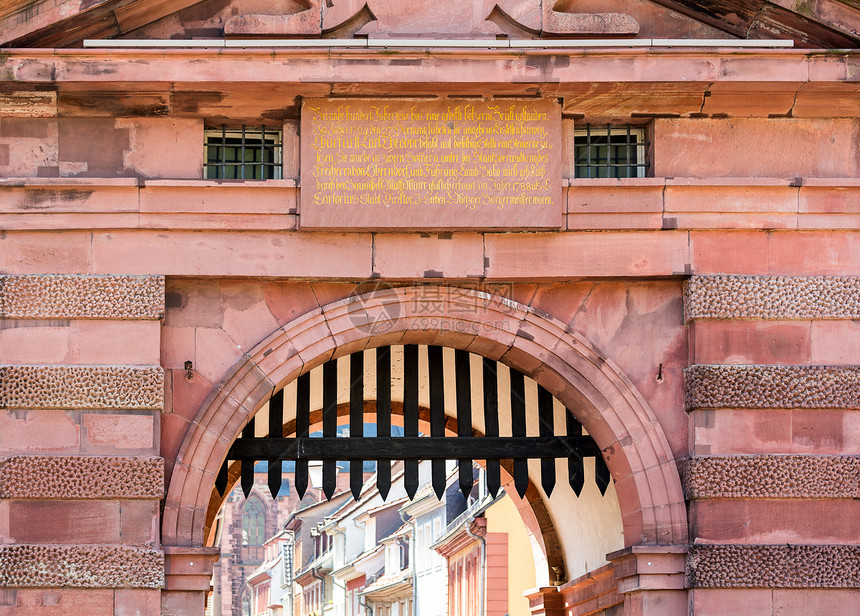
(610, 152)
(243, 153)
(567, 441)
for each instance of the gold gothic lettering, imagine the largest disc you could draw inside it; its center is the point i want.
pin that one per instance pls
(470, 155)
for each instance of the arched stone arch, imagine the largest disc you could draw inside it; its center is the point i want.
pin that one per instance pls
(563, 361)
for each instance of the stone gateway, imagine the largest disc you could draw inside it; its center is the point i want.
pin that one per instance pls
(612, 248)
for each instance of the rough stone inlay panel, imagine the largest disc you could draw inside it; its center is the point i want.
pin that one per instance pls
(773, 387)
(772, 476)
(72, 477)
(81, 297)
(81, 387)
(773, 566)
(772, 297)
(81, 566)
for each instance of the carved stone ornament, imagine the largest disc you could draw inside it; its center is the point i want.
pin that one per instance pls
(431, 18)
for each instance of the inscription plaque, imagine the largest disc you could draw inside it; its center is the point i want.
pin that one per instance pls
(446, 164)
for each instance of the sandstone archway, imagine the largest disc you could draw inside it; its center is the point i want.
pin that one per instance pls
(564, 362)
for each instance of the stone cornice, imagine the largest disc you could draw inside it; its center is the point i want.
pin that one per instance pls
(314, 67)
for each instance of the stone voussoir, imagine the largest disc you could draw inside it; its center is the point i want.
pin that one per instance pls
(772, 387)
(61, 296)
(772, 297)
(773, 566)
(771, 476)
(51, 566)
(81, 477)
(81, 387)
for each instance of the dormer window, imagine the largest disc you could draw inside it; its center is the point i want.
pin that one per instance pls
(245, 153)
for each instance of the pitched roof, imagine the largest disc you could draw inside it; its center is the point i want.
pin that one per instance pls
(66, 23)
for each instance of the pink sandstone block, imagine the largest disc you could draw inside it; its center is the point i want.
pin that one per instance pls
(744, 99)
(813, 602)
(665, 602)
(39, 431)
(723, 431)
(22, 343)
(233, 254)
(246, 315)
(64, 221)
(109, 433)
(751, 342)
(828, 221)
(137, 602)
(768, 521)
(215, 222)
(457, 255)
(68, 196)
(192, 303)
(814, 253)
(177, 347)
(288, 300)
(218, 197)
(173, 430)
(214, 352)
(756, 147)
(139, 522)
(64, 522)
(835, 342)
(61, 602)
(186, 396)
(839, 197)
(741, 196)
(45, 253)
(140, 342)
(739, 252)
(164, 147)
(537, 255)
(182, 603)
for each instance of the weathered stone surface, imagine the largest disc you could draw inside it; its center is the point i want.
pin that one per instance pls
(81, 387)
(72, 477)
(771, 476)
(81, 566)
(772, 387)
(773, 566)
(772, 297)
(81, 297)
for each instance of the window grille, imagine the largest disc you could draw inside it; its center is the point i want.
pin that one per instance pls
(243, 154)
(610, 152)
